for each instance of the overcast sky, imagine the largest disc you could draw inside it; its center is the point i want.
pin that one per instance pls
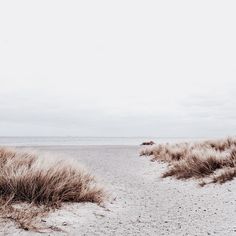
(118, 68)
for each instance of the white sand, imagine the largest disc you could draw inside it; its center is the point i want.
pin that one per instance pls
(143, 204)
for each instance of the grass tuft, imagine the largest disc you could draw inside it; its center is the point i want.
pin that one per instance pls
(197, 160)
(41, 184)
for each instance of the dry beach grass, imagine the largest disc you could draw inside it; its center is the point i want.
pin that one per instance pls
(140, 203)
(41, 184)
(212, 161)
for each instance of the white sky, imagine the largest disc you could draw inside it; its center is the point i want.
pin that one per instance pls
(118, 68)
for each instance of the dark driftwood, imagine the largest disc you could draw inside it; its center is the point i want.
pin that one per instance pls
(148, 143)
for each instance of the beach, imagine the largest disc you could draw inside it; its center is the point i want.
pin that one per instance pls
(117, 118)
(140, 202)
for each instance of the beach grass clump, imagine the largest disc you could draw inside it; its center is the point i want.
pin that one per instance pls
(212, 158)
(226, 175)
(42, 184)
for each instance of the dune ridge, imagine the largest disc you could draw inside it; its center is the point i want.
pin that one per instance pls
(212, 161)
(41, 184)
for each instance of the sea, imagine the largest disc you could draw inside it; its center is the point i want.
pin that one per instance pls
(83, 141)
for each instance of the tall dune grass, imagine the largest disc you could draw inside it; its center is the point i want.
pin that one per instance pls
(212, 158)
(43, 184)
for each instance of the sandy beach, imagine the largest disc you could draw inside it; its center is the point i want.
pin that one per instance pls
(140, 202)
(117, 118)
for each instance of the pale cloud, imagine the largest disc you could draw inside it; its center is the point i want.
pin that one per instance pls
(126, 68)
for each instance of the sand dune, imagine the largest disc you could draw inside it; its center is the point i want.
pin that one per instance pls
(41, 184)
(141, 203)
(212, 161)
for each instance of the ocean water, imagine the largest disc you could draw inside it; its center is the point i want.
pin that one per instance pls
(60, 141)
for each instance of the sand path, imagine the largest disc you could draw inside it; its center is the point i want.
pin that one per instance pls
(143, 204)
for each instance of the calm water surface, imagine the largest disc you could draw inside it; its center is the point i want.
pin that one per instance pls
(48, 141)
